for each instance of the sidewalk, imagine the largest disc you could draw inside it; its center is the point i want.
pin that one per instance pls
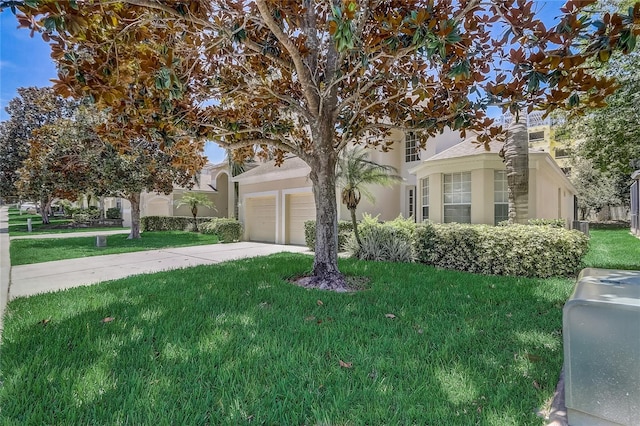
(27, 280)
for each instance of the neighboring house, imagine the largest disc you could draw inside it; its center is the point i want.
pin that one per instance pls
(450, 180)
(213, 181)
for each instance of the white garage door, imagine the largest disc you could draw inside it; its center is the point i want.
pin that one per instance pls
(300, 208)
(261, 219)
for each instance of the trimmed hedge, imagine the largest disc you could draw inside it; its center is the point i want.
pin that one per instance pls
(517, 250)
(345, 229)
(227, 230)
(168, 223)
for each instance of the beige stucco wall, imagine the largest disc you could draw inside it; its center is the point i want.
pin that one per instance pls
(203, 211)
(546, 181)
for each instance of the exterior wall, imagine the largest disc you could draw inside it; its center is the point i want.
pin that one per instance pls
(546, 181)
(203, 211)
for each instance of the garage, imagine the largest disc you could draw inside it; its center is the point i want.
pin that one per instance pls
(260, 222)
(299, 209)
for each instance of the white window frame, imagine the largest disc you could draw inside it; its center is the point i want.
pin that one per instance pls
(500, 194)
(456, 192)
(411, 148)
(424, 183)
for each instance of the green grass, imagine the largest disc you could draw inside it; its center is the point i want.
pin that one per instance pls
(613, 249)
(235, 343)
(18, 225)
(44, 250)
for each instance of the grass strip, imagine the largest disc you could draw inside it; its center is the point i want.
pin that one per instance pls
(29, 251)
(236, 343)
(613, 249)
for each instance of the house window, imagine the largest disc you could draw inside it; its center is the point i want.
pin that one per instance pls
(500, 196)
(411, 148)
(562, 152)
(536, 136)
(411, 202)
(457, 197)
(425, 198)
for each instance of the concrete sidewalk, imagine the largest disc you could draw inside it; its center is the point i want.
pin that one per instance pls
(27, 280)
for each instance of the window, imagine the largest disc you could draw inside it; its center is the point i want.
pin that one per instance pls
(411, 148)
(457, 197)
(411, 202)
(425, 198)
(500, 196)
(536, 136)
(562, 152)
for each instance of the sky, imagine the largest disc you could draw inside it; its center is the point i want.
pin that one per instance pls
(26, 61)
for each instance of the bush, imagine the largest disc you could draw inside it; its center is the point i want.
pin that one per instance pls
(390, 241)
(554, 223)
(517, 250)
(345, 230)
(113, 213)
(227, 230)
(168, 223)
(81, 217)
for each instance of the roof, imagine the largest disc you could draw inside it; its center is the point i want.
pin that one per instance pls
(292, 167)
(467, 147)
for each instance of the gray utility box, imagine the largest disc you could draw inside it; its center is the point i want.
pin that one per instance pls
(601, 327)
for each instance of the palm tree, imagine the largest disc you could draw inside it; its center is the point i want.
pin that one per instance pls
(354, 172)
(515, 154)
(193, 200)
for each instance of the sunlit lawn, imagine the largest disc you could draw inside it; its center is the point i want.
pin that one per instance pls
(236, 343)
(44, 250)
(18, 225)
(613, 249)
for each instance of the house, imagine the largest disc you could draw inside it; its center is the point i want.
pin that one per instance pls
(451, 180)
(468, 184)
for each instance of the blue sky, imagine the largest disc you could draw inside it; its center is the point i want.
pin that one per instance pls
(25, 61)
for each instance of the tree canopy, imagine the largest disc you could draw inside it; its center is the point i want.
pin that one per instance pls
(310, 77)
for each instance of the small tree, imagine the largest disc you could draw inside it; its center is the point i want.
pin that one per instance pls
(596, 189)
(193, 200)
(354, 172)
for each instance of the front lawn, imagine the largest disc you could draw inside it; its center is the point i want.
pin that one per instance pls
(18, 225)
(613, 249)
(44, 250)
(235, 343)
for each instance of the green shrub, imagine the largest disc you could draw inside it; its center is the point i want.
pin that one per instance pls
(390, 241)
(168, 223)
(113, 213)
(81, 217)
(517, 250)
(345, 229)
(554, 223)
(227, 230)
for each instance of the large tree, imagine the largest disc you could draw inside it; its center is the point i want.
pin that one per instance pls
(32, 109)
(310, 77)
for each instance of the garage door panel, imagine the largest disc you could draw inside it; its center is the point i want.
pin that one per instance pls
(300, 208)
(261, 219)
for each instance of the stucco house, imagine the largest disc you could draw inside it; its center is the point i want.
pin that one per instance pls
(451, 180)
(635, 203)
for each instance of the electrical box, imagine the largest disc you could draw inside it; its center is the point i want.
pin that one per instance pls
(601, 332)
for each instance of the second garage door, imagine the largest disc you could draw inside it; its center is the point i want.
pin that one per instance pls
(299, 209)
(261, 219)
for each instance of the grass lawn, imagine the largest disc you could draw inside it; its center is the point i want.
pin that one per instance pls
(18, 225)
(44, 250)
(235, 343)
(613, 249)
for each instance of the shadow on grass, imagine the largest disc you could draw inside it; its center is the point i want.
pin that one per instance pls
(235, 343)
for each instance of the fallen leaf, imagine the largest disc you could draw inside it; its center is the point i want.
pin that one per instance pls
(389, 316)
(536, 385)
(319, 302)
(107, 319)
(345, 364)
(311, 318)
(44, 322)
(533, 358)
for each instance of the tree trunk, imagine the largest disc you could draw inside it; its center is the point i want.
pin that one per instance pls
(101, 208)
(516, 157)
(325, 266)
(194, 212)
(134, 199)
(45, 207)
(354, 221)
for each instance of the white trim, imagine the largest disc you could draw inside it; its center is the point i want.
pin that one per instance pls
(276, 194)
(276, 174)
(221, 172)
